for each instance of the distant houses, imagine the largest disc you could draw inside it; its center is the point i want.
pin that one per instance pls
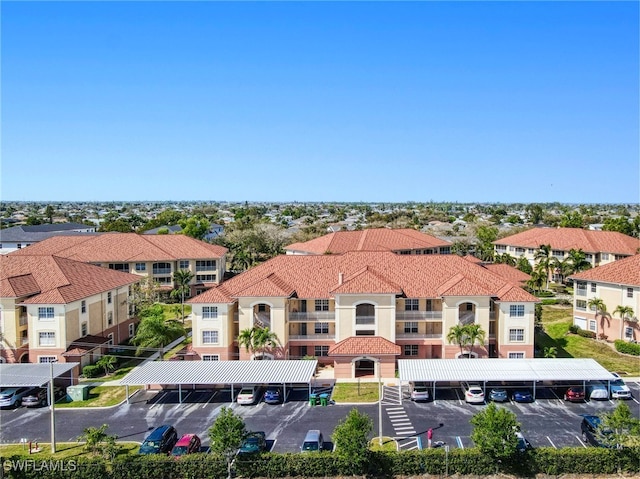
(21, 236)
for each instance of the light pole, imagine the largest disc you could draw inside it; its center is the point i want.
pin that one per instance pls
(52, 401)
(379, 402)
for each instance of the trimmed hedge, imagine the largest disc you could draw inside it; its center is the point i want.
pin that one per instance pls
(586, 334)
(627, 348)
(547, 461)
(91, 371)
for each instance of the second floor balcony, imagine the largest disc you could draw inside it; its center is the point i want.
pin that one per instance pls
(313, 316)
(418, 315)
(419, 336)
(312, 337)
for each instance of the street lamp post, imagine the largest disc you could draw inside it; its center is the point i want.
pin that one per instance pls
(379, 403)
(52, 402)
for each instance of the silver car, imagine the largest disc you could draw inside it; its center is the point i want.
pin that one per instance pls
(12, 397)
(419, 391)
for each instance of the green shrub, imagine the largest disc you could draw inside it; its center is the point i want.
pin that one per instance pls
(586, 334)
(627, 348)
(547, 302)
(574, 328)
(92, 371)
(544, 294)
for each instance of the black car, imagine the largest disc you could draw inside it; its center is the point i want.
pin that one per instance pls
(40, 397)
(160, 441)
(592, 433)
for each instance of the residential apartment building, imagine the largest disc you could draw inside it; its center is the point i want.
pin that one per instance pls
(401, 241)
(600, 247)
(57, 309)
(616, 284)
(153, 256)
(21, 236)
(346, 309)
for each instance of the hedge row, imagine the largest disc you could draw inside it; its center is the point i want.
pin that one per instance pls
(627, 348)
(380, 464)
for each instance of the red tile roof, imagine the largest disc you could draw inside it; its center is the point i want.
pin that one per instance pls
(509, 272)
(565, 239)
(55, 280)
(318, 277)
(377, 239)
(370, 345)
(124, 247)
(625, 271)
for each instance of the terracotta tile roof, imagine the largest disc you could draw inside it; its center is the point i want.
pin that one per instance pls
(318, 277)
(472, 259)
(508, 272)
(56, 280)
(85, 344)
(624, 271)
(124, 247)
(565, 239)
(376, 239)
(369, 345)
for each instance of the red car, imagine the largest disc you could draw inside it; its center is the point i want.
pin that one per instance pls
(574, 394)
(187, 444)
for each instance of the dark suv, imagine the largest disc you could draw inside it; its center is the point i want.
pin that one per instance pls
(161, 440)
(590, 431)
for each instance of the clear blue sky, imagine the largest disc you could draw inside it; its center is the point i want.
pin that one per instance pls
(327, 101)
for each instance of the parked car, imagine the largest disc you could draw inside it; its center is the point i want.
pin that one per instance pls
(161, 440)
(12, 397)
(187, 444)
(248, 395)
(313, 441)
(419, 391)
(254, 442)
(523, 444)
(591, 433)
(597, 391)
(498, 395)
(273, 396)
(619, 390)
(522, 395)
(574, 394)
(473, 393)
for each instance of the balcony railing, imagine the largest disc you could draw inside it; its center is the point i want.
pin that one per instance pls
(24, 341)
(24, 320)
(313, 316)
(262, 319)
(581, 292)
(311, 337)
(419, 336)
(365, 320)
(417, 315)
(161, 270)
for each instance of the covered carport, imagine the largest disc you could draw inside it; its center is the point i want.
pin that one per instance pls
(35, 374)
(483, 371)
(222, 373)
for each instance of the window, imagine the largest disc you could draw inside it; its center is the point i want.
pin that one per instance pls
(365, 332)
(529, 250)
(302, 351)
(628, 333)
(516, 355)
(262, 308)
(322, 328)
(209, 312)
(588, 257)
(45, 312)
(209, 337)
(202, 278)
(501, 248)
(558, 254)
(109, 318)
(207, 265)
(19, 245)
(592, 325)
(594, 287)
(46, 338)
(109, 297)
(119, 267)
(83, 306)
(410, 349)
(516, 310)
(605, 256)
(132, 330)
(629, 292)
(161, 268)
(47, 359)
(110, 341)
(429, 305)
(163, 280)
(520, 250)
(411, 305)
(183, 264)
(141, 266)
(411, 327)
(581, 304)
(211, 357)
(83, 329)
(516, 335)
(321, 351)
(322, 305)
(445, 250)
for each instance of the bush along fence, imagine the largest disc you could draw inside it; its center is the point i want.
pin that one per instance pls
(627, 348)
(435, 462)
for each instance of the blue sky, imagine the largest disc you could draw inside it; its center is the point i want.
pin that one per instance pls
(321, 101)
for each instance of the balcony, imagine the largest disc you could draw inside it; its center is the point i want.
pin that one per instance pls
(417, 315)
(24, 320)
(581, 292)
(419, 336)
(24, 341)
(313, 316)
(365, 320)
(161, 271)
(312, 337)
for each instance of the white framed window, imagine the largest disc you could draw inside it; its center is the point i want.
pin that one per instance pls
(322, 328)
(411, 327)
(209, 337)
(124, 267)
(211, 357)
(411, 304)
(501, 248)
(605, 256)
(628, 333)
(202, 278)
(592, 325)
(47, 359)
(629, 292)
(322, 305)
(516, 310)
(46, 338)
(141, 266)
(321, 351)
(558, 254)
(581, 304)
(410, 350)
(183, 264)
(132, 330)
(206, 265)
(83, 329)
(83, 306)
(109, 318)
(516, 355)
(529, 250)
(594, 287)
(109, 297)
(209, 312)
(516, 335)
(45, 313)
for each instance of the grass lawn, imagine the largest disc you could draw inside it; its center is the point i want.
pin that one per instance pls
(556, 322)
(64, 450)
(174, 311)
(101, 396)
(355, 392)
(388, 444)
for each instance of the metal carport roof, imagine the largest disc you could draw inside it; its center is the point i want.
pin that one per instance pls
(498, 369)
(222, 372)
(31, 374)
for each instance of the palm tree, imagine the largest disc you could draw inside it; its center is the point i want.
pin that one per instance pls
(562, 267)
(245, 338)
(458, 335)
(577, 260)
(154, 331)
(543, 260)
(264, 339)
(505, 258)
(626, 314)
(600, 308)
(550, 352)
(475, 333)
(107, 362)
(536, 281)
(182, 278)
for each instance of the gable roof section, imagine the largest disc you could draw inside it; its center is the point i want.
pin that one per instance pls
(376, 239)
(565, 239)
(624, 271)
(508, 272)
(371, 345)
(124, 247)
(54, 280)
(318, 277)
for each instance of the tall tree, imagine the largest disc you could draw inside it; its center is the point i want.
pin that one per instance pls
(535, 213)
(154, 332)
(458, 335)
(619, 427)
(577, 260)
(600, 308)
(182, 278)
(49, 211)
(494, 432)
(626, 315)
(486, 235)
(543, 260)
(226, 435)
(524, 265)
(475, 334)
(350, 438)
(258, 340)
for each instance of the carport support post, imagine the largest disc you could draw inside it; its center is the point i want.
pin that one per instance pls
(534, 389)
(126, 391)
(180, 393)
(52, 401)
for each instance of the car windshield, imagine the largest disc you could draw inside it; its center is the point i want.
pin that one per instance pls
(179, 450)
(310, 446)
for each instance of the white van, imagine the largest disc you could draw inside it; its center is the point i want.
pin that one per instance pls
(313, 441)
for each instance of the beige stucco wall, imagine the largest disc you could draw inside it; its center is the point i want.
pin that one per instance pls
(345, 307)
(505, 322)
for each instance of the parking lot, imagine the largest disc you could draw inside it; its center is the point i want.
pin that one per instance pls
(548, 421)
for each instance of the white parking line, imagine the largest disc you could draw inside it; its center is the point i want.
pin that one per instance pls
(215, 393)
(549, 439)
(580, 441)
(459, 442)
(634, 400)
(273, 445)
